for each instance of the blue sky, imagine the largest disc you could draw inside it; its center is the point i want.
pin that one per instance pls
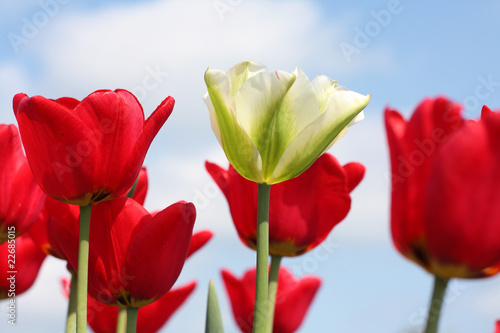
(160, 48)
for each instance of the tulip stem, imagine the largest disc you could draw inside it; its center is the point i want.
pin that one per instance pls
(121, 321)
(273, 289)
(132, 319)
(260, 309)
(83, 268)
(436, 304)
(71, 317)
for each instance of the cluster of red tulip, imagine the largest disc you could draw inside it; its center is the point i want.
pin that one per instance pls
(78, 195)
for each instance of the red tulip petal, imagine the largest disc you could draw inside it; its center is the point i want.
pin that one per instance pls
(101, 318)
(152, 317)
(68, 102)
(413, 146)
(295, 297)
(21, 199)
(151, 128)
(198, 240)
(114, 122)
(305, 209)
(112, 226)
(354, 173)
(142, 187)
(27, 261)
(463, 201)
(219, 175)
(50, 133)
(241, 297)
(167, 235)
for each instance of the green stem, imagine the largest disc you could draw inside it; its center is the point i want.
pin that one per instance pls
(273, 290)
(121, 321)
(260, 309)
(83, 268)
(436, 304)
(71, 317)
(132, 319)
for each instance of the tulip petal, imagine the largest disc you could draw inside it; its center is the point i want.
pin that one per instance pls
(219, 175)
(198, 240)
(242, 299)
(343, 107)
(258, 103)
(153, 316)
(141, 189)
(167, 235)
(239, 149)
(413, 146)
(241, 72)
(298, 108)
(354, 173)
(43, 120)
(114, 121)
(462, 203)
(290, 315)
(28, 259)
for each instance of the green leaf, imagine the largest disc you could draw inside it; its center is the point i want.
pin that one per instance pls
(214, 318)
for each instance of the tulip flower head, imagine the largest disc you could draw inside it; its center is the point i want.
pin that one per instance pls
(273, 126)
(102, 318)
(89, 151)
(21, 199)
(446, 189)
(292, 301)
(135, 257)
(302, 210)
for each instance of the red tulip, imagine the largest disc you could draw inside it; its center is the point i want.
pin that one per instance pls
(303, 210)
(292, 301)
(89, 151)
(445, 195)
(20, 196)
(134, 257)
(102, 318)
(19, 265)
(497, 327)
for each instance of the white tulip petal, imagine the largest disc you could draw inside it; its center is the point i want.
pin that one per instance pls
(213, 117)
(342, 108)
(297, 109)
(241, 72)
(257, 102)
(323, 88)
(356, 120)
(239, 149)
